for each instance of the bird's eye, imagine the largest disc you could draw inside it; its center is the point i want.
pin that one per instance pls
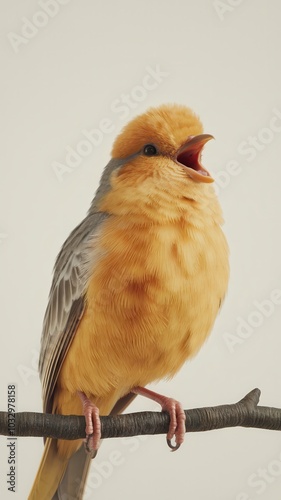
(149, 150)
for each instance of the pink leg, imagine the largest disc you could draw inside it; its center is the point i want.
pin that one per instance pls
(93, 425)
(175, 410)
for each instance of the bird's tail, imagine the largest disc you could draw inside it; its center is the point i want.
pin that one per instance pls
(65, 478)
(60, 478)
(73, 482)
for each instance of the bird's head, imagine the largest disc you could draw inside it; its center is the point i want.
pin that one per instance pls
(170, 134)
(156, 159)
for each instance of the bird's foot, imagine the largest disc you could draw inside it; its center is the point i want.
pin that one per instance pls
(176, 412)
(93, 424)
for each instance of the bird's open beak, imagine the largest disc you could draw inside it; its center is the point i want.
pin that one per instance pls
(189, 155)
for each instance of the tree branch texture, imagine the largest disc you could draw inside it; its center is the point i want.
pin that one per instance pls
(245, 413)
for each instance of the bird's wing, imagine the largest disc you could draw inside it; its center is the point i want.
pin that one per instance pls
(66, 303)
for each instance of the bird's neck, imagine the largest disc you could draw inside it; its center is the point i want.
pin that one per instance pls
(197, 207)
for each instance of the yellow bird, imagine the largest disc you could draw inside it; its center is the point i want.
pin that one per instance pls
(136, 288)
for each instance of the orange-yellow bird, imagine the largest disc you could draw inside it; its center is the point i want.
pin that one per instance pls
(136, 288)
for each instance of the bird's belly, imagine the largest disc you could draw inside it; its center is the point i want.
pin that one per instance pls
(147, 312)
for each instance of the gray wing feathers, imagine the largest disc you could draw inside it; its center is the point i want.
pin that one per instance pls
(64, 311)
(71, 271)
(66, 301)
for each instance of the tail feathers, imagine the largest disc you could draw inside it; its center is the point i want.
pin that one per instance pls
(60, 479)
(73, 483)
(50, 472)
(65, 478)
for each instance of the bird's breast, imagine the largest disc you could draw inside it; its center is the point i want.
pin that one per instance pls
(151, 300)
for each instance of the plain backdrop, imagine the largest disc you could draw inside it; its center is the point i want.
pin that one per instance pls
(71, 67)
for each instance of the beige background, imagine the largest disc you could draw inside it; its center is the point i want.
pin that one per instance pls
(70, 74)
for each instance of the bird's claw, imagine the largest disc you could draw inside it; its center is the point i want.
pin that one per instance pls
(174, 447)
(93, 425)
(175, 411)
(89, 445)
(177, 422)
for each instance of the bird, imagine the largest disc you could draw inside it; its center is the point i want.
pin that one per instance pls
(136, 288)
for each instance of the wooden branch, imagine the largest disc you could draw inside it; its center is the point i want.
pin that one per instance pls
(245, 413)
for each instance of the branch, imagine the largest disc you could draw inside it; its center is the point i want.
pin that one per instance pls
(245, 413)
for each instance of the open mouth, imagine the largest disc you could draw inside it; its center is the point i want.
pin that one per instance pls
(189, 155)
